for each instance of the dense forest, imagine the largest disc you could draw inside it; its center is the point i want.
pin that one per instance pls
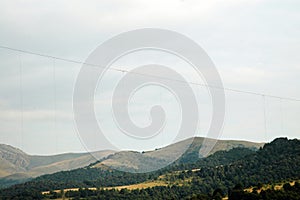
(206, 178)
(288, 192)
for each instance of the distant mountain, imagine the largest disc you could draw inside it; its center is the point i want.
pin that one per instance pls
(274, 162)
(16, 166)
(132, 161)
(12, 160)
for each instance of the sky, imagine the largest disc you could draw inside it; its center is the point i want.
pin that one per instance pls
(253, 44)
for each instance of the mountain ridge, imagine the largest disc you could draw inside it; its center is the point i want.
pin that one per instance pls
(133, 161)
(276, 161)
(16, 166)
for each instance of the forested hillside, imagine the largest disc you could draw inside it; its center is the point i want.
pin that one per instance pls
(16, 166)
(206, 177)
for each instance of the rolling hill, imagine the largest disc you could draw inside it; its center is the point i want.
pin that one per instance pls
(17, 166)
(132, 161)
(274, 162)
(129, 161)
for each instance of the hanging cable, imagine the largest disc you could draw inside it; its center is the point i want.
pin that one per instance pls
(281, 117)
(54, 103)
(21, 101)
(162, 131)
(265, 115)
(149, 75)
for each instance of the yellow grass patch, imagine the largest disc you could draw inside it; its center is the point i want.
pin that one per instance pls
(277, 186)
(148, 184)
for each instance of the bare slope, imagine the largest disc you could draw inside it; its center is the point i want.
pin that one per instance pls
(147, 161)
(15, 164)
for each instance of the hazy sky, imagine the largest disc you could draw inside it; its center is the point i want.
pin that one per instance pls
(255, 46)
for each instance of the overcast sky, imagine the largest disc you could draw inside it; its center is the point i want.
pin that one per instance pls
(255, 46)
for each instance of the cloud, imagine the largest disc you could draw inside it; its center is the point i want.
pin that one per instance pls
(254, 44)
(245, 75)
(35, 115)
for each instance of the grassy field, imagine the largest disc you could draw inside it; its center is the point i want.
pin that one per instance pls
(147, 184)
(161, 182)
(277, 186)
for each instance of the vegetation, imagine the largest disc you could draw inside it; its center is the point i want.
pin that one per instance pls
(288, 192)
(205, 178)
(19, 167)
